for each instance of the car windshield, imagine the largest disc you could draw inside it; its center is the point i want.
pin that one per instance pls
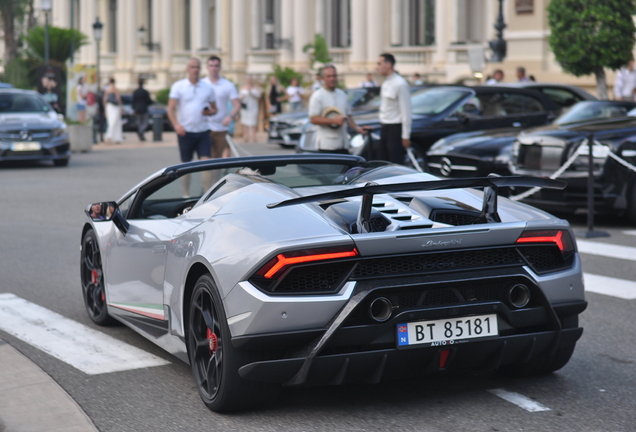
(22, 103)
(435, 100)
(591, 110)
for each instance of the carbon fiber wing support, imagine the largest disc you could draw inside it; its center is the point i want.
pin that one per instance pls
(490, 185)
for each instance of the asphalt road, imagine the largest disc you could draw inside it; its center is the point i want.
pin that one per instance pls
(41, 214)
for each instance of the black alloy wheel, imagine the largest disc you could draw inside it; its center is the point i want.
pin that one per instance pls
(93, 281)
(214, 361)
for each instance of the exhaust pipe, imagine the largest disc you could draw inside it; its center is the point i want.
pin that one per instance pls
(519, 295)
(380, 309)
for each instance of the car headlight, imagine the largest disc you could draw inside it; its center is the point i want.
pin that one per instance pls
(58, 131)
(357, 141)
(301, 122)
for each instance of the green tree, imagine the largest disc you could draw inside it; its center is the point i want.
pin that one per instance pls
(60, 40)
(286, 75)
(12, 13)
(590, 35)
(319, 51)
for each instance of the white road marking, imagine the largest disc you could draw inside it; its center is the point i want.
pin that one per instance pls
(82, 347)
(632, 232)
(607, 250)
(610, 286)
(519, 400)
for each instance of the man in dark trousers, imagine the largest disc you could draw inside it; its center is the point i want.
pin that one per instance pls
(395, 112)
(140, 102)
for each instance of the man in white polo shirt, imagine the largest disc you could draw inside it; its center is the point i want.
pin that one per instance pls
(395, 112)
(329, 109)
(220, 122)
(191, 103)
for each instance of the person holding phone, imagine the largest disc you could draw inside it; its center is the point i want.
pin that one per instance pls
(191, 102)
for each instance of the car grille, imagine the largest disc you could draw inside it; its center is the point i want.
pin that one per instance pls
(456, 218)
(540, 258)
(14, 135)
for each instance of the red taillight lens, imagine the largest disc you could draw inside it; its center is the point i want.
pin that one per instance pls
(561, 238)
(277, 264)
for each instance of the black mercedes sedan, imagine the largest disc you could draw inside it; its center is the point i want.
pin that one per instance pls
(30, 129)
(480, 153)
(444, 110)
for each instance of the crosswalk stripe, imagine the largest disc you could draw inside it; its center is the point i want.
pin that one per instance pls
(610, 286)
(82, 347)
(607, 250)
(519, 400)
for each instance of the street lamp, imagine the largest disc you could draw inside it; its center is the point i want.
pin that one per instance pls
(97, 35)
(152, 46)
(45, 5)
(498, 46)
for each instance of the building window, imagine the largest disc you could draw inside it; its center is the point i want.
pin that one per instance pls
(187, 16)
(112, 25)
(421, 20)
(149, 20)
(271, 21)
(340, 23)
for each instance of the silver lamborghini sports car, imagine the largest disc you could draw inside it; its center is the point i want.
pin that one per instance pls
(294, 270)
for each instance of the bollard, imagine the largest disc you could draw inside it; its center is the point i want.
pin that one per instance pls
(590, 233)
(157, 127)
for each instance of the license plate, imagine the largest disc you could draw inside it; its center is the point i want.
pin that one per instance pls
(26, 146)
(447, 331)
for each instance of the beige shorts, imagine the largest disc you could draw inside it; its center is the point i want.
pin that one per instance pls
(219, 142)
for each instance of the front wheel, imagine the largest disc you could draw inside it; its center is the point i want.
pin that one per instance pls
(631, 205)
(92, 275)
(215, 362)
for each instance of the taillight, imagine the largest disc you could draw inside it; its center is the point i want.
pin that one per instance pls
(561, 238)
(280, 262)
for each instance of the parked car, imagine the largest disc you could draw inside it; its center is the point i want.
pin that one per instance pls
(129, 119)
(444, 110)
(285, 129)
(541, 153)
(562, 94)
(302, 270)
(30, 129)
(480, 153)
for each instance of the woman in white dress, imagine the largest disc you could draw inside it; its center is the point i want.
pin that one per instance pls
(112, 102)
(250, 96)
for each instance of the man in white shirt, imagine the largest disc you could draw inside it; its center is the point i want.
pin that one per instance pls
(625, 83)
(195, 101)
(329, 109)
(220, 122)
(395, 112)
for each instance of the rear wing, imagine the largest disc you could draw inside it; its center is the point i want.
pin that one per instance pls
(490, 185)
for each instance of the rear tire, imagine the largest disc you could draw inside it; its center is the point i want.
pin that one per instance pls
(631, 205)
(92, 275)
(215, 362)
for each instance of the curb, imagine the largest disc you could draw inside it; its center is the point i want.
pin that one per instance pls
(30, 400)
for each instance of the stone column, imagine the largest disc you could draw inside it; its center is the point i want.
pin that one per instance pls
(256, 26)
(238, 34)
(396, 22)
(127, 41)
(359, 34)
(376, 31)
(301, 35)
(287, 31)
(319, 24)
(441, 32)
(162, 21)
(199, 22)
(88, 53)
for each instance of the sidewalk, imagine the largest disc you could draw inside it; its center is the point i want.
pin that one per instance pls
(30, 400)
(168, 139)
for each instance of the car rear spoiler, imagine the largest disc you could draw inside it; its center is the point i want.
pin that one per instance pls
(490, 185)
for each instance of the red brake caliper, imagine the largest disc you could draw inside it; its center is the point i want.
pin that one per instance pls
(95, 281)
(213, 341)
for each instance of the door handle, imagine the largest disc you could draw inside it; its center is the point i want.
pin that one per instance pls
(159, 249)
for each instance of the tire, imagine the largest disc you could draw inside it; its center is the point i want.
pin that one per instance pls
(60, 162)
(214, 361)
(544, 365)
(287, 146)
(92, 275)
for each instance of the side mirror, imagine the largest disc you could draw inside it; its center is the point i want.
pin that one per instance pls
(107, 211)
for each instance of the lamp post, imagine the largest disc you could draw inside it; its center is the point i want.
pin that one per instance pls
(498, 46)
(97, 35)
(46, 8)
(97, 124)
